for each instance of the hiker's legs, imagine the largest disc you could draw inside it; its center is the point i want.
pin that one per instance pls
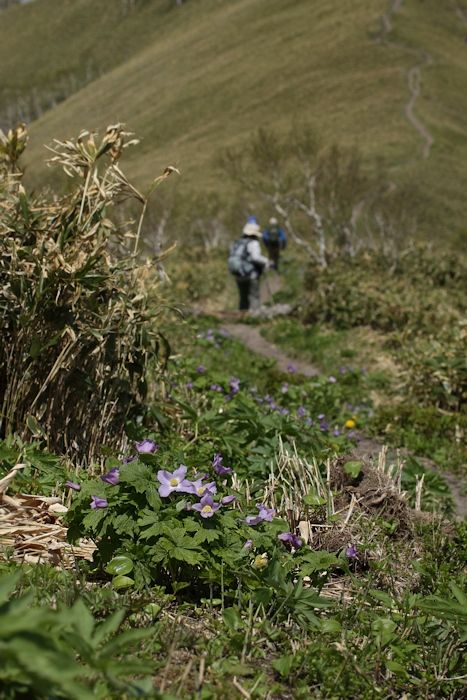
(243, 290)
(254, 294)
(274, 255)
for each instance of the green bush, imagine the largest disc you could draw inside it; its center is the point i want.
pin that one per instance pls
(434, 370)
(422, 294)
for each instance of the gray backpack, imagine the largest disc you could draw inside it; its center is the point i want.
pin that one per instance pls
(239, 261)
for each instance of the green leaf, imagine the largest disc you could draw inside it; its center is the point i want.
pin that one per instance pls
(396, 668)
(262, 596)
(35, 348)
(109, 626)
(353, 468)
(119, 565)
(112, 462)
(330, 626)
(142, 479)
(317, 561)
(187, 555)
(312, 499)
(232, 619)
(283, 665)
(34, 426)
(383, 625)
(122, 582)
(7, 585)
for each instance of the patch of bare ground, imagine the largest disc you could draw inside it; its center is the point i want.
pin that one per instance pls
(252, 338)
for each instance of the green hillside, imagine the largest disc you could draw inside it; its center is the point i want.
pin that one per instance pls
(196, 78)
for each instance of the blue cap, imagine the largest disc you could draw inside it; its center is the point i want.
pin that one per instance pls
(252, 220)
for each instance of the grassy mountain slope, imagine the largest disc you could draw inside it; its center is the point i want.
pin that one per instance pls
(192, 80)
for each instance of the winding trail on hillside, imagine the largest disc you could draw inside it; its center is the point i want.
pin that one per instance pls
(414, 77)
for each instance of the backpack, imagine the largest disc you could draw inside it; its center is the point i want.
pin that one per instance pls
(239, 261)
(273, 235)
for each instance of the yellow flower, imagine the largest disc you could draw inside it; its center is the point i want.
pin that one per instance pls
(260, 562)
(350, 423)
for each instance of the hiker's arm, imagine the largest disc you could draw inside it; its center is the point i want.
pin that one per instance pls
(256, 258)
(283, 238)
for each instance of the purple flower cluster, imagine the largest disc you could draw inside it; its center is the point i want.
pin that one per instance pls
(215, 387)
(176, 482)
(234, 388)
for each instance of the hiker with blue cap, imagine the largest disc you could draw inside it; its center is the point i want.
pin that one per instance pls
(274, 239)
(247, 264)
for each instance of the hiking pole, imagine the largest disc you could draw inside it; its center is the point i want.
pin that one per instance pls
(268, 288)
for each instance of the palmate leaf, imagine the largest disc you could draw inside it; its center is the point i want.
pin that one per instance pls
(142, 479)
(92, 520)
(189, 556)
(206, 535)
(124, 524)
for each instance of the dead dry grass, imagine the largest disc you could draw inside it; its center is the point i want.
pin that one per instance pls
(32, 531)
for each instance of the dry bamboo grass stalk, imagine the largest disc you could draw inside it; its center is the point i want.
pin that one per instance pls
(32, 526)
(418, 491)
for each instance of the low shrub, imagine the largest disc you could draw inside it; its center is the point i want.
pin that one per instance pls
(366, 293)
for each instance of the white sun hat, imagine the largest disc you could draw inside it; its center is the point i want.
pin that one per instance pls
(251, 230)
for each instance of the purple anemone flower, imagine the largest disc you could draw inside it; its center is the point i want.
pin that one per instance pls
(200, 489)
(228, 499)
(324, 426)
(127, 460)
(332, 379)
(284, 412)
(111, 477)
(219, 467)
(248, 544)
(321, 416)
(351, 552)
(337, 432)
(146, 446)
(301, 411)
(291, 369)
(189, 385)
(72, 485)
(97, 502)
(206, 506)
(173, 482)
(201, 369)
(285, 388)
(265, 514)
(293, 540)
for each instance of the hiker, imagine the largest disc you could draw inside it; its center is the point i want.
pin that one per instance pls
(246, 263)
(274, 239)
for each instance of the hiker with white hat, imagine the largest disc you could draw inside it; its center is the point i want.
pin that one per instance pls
(247, 264)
